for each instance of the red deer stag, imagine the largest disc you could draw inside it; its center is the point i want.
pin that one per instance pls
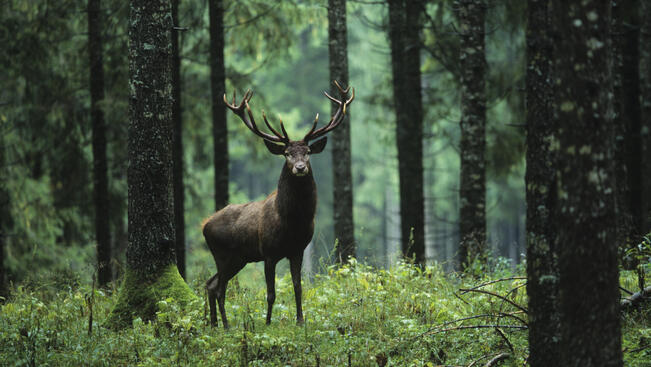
(278, 227)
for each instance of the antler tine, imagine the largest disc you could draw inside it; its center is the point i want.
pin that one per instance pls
(342, 90)
(284, 137)
(316, 120)
(250, 121)
(282, 128)
(337, 118)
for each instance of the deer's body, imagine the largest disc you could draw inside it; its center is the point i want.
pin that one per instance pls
(277, 227)
(280, 226)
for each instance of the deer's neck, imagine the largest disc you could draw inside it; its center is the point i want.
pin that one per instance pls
(296, 195)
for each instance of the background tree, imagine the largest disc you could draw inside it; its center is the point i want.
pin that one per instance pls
(151, 273)
(217, 87)
(5, 217)
(585, 213)
(404, 38)
(542, 266)
(645, 93)
(100, 174)
(472, 184)
(626, 103)
(342, 184)
(177, 147)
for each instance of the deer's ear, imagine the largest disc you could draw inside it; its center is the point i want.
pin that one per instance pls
(318, 146)
(274, 148)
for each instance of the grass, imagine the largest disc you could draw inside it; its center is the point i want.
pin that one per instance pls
(355, 315)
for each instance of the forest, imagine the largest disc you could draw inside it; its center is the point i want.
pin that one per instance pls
(450, 183)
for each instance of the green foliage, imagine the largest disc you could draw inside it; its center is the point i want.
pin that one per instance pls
(405, 315)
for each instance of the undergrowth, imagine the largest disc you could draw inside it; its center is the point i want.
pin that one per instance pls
(354, 315)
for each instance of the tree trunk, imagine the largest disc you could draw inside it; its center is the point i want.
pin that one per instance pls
(100, 167)
(585, 212)
(151, 273)
(404, 37)
(645, 91)
(628, 153)
(217, 87)
(177, 149)
(472, 184)
(342, 180)
(5, 218)
(542, 262)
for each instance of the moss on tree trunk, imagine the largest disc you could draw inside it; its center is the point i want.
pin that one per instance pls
(139, 297)
(151, 273)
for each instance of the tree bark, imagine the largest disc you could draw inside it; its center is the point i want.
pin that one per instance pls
(404, 37)
(177, 149)
(645, 91)
(151, 273)
(5, 219)
(542, 262)
(217, 87)
(585, 213)
(628, 153)
(100, 167)
(342, 178)
(472, 184)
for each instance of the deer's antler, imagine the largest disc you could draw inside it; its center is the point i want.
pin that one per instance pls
(337, 118)
(250, 121)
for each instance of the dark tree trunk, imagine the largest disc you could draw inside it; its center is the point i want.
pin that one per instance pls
(628, 153)
(542, 266)
(177, 149)
(404, 37)
(100, 167)
(472, 184)
(5, 219)
(217, 87)
(645, 91)
(342, 180)
(585, 214)
(151, 273)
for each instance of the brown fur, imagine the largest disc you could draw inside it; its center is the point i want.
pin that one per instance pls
(278, 227)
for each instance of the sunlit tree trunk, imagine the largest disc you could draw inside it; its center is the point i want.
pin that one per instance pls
(151, 273)
(472, 184)
(100, 167)
(217, 87)
(542, 266)
(342, 180)
(404, 37)
(177, 149)
(585, 214)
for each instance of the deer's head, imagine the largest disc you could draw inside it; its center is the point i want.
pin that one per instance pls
(297, 152)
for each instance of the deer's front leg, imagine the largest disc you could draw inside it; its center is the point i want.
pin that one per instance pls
(270, 277)
(295, 264)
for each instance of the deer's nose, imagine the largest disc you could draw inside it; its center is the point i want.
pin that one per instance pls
(300, 167)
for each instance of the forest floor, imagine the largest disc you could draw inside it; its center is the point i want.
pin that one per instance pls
(355, 316)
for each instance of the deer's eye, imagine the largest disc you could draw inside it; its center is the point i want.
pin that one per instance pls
(286, 154)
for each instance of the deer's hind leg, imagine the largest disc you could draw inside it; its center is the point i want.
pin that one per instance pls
(211, 287)
(217, 288)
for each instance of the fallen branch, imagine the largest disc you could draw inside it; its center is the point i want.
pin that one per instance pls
(497, 358)
(518, 327)
(636, 299)
(495, 295)
(508, 343)
(492, 282)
